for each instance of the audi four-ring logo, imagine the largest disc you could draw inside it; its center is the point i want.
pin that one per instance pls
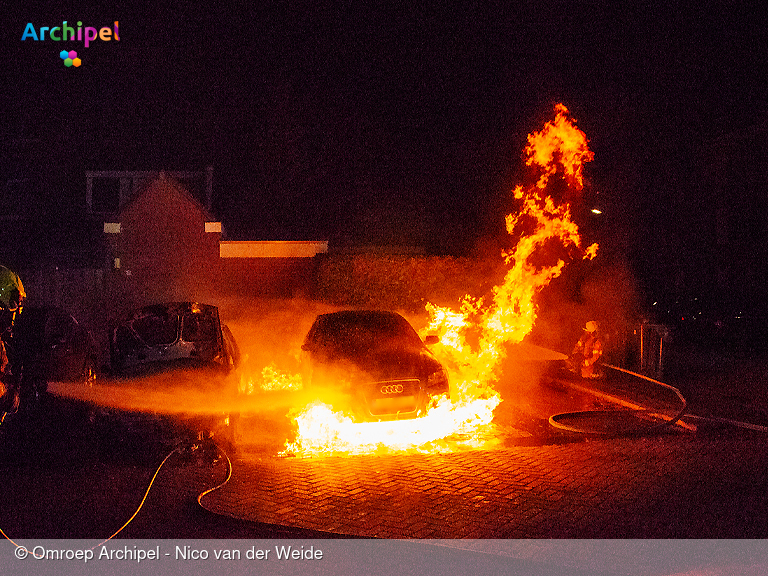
(392, 389)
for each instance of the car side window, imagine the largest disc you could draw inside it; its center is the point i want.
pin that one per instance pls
(157, 330)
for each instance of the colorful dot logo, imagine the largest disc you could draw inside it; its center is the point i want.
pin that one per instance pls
(70, 58)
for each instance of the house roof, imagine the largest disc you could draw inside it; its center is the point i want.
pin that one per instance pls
(164, 189)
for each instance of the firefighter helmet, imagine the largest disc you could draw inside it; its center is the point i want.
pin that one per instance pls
(12, 293)
(591, 326)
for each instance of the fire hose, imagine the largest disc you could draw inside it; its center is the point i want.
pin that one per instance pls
(146, 494)
(557, 420)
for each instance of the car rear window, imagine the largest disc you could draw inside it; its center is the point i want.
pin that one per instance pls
(156, 328)
(356, 332)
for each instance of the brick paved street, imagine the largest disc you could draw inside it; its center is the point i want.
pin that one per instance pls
(674, 485)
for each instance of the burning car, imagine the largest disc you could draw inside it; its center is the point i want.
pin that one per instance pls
(377, 360)
(180, 334)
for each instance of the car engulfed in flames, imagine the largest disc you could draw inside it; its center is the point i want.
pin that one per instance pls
(377, 361)
(472, 340)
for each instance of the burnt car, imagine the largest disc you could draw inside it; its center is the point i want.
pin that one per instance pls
(377, 360)
(53, 346)
(172, 381)
(172, 335)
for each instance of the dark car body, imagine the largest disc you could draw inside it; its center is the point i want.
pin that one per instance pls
(377, 359)
(53, 346)
(178, 334)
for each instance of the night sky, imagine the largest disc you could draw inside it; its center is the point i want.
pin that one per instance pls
(401, 125)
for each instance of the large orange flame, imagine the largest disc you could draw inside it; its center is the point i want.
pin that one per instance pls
(547, 236)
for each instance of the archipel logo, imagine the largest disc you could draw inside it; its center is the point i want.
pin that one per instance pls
(67, 33)
(70, 58)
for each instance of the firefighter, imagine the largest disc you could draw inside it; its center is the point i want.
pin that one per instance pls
(12, 297)
(585, 358)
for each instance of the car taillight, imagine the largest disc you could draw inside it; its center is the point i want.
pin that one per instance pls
(438, 381)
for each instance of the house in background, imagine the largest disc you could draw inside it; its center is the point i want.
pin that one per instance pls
(165, 245)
